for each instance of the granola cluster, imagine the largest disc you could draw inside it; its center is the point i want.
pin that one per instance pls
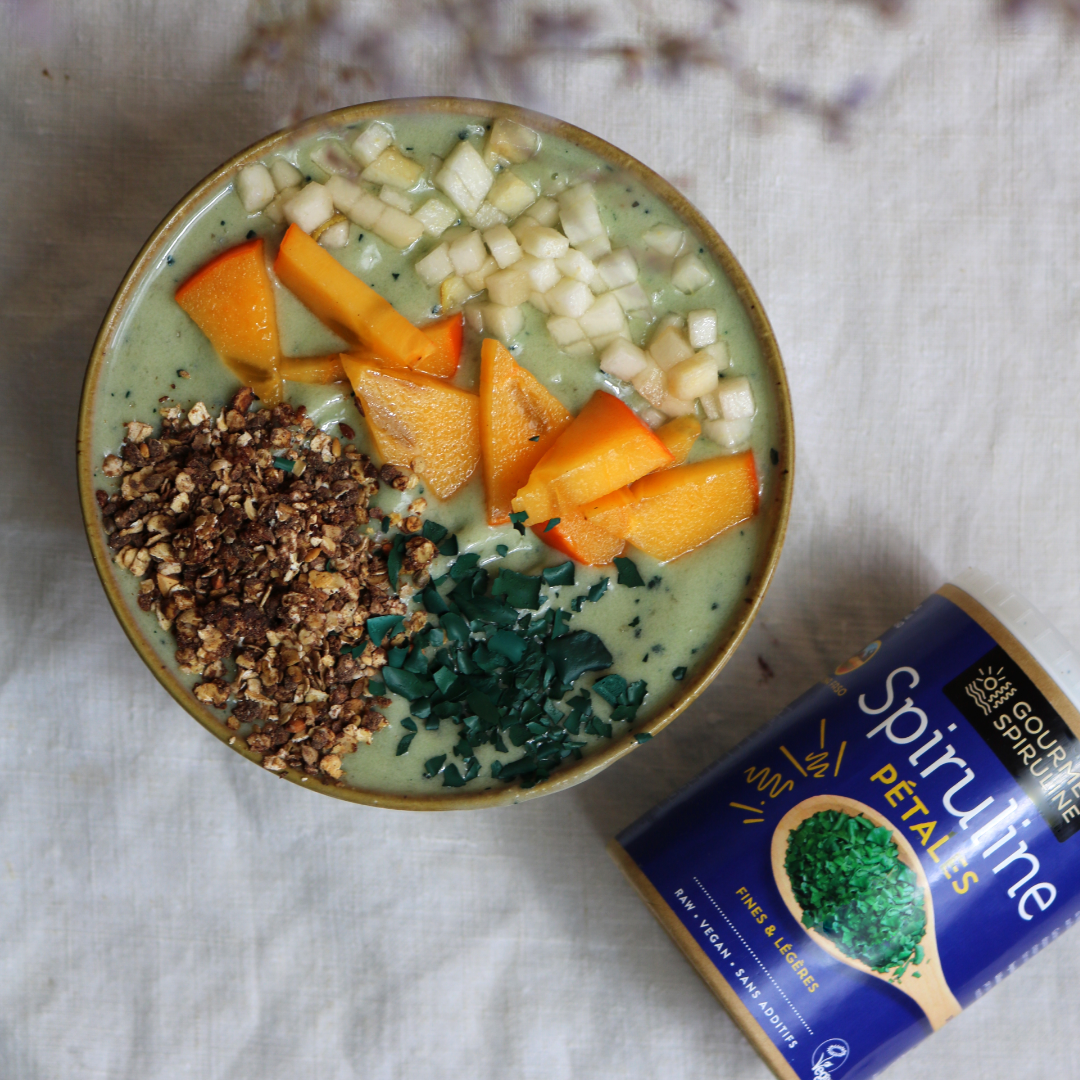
(250, 532)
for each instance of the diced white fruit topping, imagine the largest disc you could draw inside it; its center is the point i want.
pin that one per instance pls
(651, 384)
(654, 417)
(467, 253)
(509, 287)
(543, 242)
(623, 359)
(474, 316)
(477, 278)
(285, 174)
(669, 347)
(570, 297)
(510, 142)
(275, 211)
(579, 214)
(255, 186)
(632, 297)
(394, 168)
(604, 317)
(502, 245)
(710, 406)
(675, 406)
(736, 399)
(335, 236)
(730, 434)
(367, 210)
(394, 197)
(544, 211)
(690, 273)
(453, 292)
(665, 239)
(511, 194)
(343, 192)
(581, 348)
(701, 327)
(435, 265)
(503, 322)
(521, 226)
(310, 207)
(465, 178)
(718, 353)
(575, 265)
(332, 158)
(595, 248)
(565, 331)
(539, 301)
(487, 217)
(543, 273)
(618, 269)
(370, 143)
(398, 228)
(370, 256)
(692, 378)
(604, 340)
(436, 216)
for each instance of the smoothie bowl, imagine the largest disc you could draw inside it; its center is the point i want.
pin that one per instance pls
(434, 454)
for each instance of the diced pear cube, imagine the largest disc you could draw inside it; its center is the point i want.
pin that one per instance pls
(564, 331)
(275, 211)
(604, 340)
(595, 248)
(510, 142)
(370, 256)
(468, 253)
(701, 327)
(310, 207)
(335, 235)
(669, 347)
(511, 194)
(521, 226)
(692, 378)
(570, 297)
(544, 211)
(343, 192)
(367, 210)
(539, 301)
(665, 239)
(474, 316)
(453, 292)
(436, 216)
(604, 317)
(333, 159)
(675, 406)
(736, 399)
(502, 245)
(579, 214)
(729, 434)
(543, 242)
(543, 273)
(581, 348)
(465, 178)
(371, 142)
(690, 273)
(477, 278)
(672, 318)
(633, 297)
(398, 199)
(487, 217)
(509, 287)
(718, 353)
(285, 174)
(623, 359)
(398, 228)
(255, 187)
(575, 265)
(653, 417)
(651, 384)
(710, 406)
(503, 322)
(618, 269)
(394, 168)
(435, 266)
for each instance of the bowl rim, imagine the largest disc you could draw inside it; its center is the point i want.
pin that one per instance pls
(779, 508)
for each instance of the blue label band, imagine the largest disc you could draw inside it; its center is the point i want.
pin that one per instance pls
(881, 852)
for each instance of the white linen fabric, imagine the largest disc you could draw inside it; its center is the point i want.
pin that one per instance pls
(167, 909)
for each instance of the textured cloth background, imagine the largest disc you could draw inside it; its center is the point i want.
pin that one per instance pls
(168, 910)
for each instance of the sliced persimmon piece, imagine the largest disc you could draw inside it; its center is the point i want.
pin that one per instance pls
(584, 541)
(348, 306)
(420, 422)
(680, 509)
(605, 447)
(679, 435)
(316, 370)
(519, 421)
(611, 512)
(447, 335)
(231, 301)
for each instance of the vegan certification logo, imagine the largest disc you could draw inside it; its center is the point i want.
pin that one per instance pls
(827, 1059)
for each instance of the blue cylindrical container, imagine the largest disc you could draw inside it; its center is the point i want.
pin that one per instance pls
(890, 846)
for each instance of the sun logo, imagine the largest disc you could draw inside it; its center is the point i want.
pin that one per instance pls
(989, 690)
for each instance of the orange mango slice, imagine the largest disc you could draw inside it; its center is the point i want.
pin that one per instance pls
(515, 410)
(679, 509)
(679, 435)
(605, 447)
(582, 540)
(315, 370)
(231, 301)
(348, 306)
(419, 422)
(611, 512)
(447, 335)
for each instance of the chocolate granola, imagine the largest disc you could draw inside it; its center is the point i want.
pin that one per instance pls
(250, 533)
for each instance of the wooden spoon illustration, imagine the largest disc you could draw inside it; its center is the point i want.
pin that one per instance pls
(929, 991)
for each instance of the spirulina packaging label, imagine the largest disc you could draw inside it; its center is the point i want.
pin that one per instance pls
(881, 853)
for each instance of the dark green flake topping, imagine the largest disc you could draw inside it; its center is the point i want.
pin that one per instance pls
(381, 625)
(518, 520)
(849, 881)
(679, 674)
(597, 590)
(284, 464)
(552, 522)
(628, 573)
(563, 574)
